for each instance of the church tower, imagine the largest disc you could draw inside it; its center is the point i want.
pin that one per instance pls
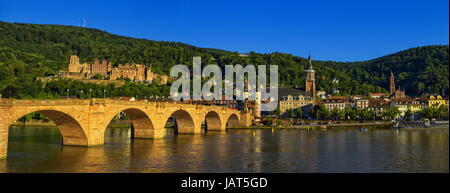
(310, 80)
(74, 64)
(392, 84)
(395, 93)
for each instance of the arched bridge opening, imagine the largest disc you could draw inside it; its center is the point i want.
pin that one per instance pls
(181, 122)
(233, 121)
(129, 123)
(68, 130)
(212, 122)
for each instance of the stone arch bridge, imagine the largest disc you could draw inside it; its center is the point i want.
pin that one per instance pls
(84, 122)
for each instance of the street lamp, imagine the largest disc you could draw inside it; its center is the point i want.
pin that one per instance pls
(67, 94)
(81, 94)
(90, 93)
(104, 93)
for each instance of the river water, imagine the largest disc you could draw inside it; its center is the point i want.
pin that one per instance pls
(38, 149)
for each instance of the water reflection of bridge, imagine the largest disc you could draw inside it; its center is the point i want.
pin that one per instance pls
(83, 122)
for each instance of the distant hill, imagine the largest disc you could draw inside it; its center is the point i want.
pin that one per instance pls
(31, 50)
(417, 70)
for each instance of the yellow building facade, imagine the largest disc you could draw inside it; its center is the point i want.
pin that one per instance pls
(436, 101)
(414, 105)
(294, 102)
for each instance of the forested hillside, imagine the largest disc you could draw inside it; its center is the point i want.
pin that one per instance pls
(29, 50)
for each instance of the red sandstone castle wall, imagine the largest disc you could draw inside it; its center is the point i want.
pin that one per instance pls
(134, 72)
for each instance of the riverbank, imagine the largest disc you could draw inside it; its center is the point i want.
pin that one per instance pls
(352, 125)
(34, 123)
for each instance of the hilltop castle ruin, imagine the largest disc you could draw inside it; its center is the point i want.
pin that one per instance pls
(134, 72)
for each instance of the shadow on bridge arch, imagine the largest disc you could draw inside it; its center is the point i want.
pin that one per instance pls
(232, 121)
(212, 122)
(181, 121)
(70, 129)
(140, 123)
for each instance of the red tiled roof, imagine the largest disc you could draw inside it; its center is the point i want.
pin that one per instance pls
(339, 98)
(377, 103)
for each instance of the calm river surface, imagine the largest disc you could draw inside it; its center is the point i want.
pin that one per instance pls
(38, 149)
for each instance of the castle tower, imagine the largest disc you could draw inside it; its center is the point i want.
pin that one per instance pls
(392, 84)
(140, 73)
(149, 74)
(310, 80)
(74, 64)
(110, 67)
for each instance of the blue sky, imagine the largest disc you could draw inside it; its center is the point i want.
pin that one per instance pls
(331, 30)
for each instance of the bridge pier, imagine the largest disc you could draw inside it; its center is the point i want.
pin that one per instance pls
(246, 119)
(149, 133)
(4, 115)
(3, 140)
(95, 138)
(187, 128)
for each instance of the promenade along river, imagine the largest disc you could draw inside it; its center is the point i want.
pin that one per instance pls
(38, 149)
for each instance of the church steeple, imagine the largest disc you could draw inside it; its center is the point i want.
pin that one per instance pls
(310, 67)
(310, 79)
(392, 83)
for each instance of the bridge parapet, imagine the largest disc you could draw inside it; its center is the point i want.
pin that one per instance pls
(100, 101)
(43, 102)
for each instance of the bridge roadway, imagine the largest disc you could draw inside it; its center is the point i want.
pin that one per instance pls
(83, 122)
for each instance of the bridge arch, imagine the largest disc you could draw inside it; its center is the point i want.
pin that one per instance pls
(71, 130)
(232, 121)
(184, 121)
(142, 125)
(213, 122)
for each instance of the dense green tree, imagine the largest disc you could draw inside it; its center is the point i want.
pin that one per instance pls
(428, 113)
(442, 112)
(299, 113)
(291, 113)
(433, 112)
(366, 114)
(278, 111)
(98, 77)
(320, 112)
(337, 114)
(408, 114)
(390, 113)
(350, 113)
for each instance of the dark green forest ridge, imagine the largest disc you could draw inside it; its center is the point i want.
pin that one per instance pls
(28, 51)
